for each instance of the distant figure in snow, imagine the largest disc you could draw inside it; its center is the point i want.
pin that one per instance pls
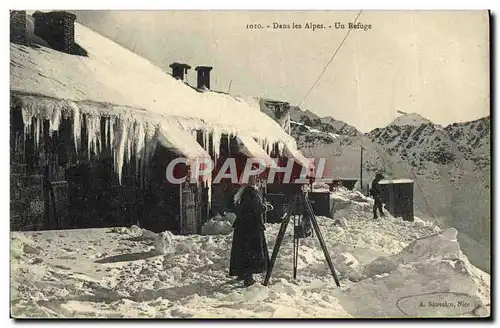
(375, 193)
(249, 252)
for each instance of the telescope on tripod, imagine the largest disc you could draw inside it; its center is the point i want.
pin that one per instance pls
(300, 209)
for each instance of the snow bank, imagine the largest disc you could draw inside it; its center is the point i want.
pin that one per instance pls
(219, 225)
(427, 267)
(164, 243)
(20, 246)
(350, 200)
(386, 267)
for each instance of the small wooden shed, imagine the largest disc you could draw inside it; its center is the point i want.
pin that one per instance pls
(397, 195)
(322, 203)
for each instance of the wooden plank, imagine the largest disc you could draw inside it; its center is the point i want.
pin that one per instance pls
(190, 208)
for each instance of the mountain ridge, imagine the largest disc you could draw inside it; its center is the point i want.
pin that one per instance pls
(450, 165)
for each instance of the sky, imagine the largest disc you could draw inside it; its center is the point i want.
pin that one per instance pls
(434, 63)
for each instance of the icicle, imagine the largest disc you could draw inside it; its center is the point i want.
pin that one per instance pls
(268, 147)
(205, 139)
(37, 132)
(129, 140)
(96, 121)
(281, 147)
(96, 132)
(91, 133)
(139, 145)
(112, 141)
(126, 149)
(144, 152)
(209, 194)
(89, 140)
(99, 134)
(133, 138)
(77, 127)
(149, 147)
(216, 136)
(106, 132)
(122, 135)
(27, 120)
(54, 121)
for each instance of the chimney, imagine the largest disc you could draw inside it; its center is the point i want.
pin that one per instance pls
(18, 26)
(179, 70)
(203, 76)
(57, 28)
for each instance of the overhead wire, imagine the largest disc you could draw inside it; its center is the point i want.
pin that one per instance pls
(330, 61)
(379, 153)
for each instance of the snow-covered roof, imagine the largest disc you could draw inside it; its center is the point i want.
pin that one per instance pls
(113, 81)
(385, 181)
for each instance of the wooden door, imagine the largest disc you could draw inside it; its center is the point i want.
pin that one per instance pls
(190, 202)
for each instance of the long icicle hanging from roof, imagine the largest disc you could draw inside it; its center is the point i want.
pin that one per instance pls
(216, 138)
(121, 137)
(93, 134)
(55, 121)
(123, 134)
(139, 146)
(77, 125)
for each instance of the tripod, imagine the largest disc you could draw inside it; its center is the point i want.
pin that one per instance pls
(299, 198)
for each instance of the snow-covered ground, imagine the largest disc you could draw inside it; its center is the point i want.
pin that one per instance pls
(387, 268)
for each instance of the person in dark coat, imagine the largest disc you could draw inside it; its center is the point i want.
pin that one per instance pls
(249, 253)
(376, 194)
